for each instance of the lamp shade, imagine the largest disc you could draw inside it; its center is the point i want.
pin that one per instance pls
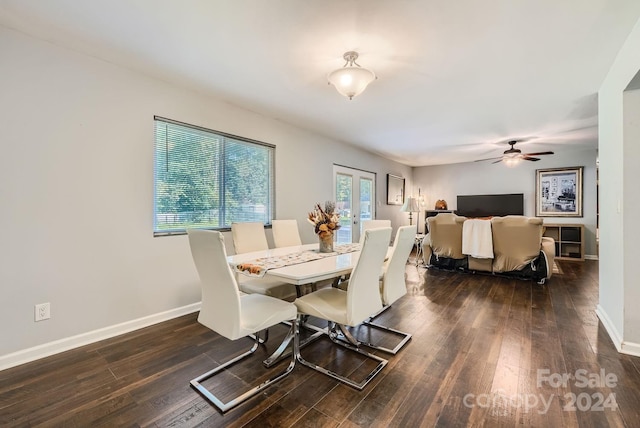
(410, 205)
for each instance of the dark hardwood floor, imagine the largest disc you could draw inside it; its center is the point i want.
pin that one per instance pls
(486, 351)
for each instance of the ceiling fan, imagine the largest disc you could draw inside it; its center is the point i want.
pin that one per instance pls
(513, 156)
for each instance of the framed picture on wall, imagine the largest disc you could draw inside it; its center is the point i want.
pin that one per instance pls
(395, 190)
(559, 192)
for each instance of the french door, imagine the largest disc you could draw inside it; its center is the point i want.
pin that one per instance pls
(354, 192)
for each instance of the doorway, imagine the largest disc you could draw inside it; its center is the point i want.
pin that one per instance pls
(354, 192)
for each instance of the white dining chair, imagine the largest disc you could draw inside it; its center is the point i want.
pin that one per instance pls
(360, 301)
(232, 314)
(393, 285)
(249, 237)
(373, 224)
(285, 233)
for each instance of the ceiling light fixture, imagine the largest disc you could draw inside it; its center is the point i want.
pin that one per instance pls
(351, 79)
(511, 159)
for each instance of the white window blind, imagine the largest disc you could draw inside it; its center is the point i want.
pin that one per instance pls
(208, 179)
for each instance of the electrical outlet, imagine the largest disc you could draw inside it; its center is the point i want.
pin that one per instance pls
(43, 311)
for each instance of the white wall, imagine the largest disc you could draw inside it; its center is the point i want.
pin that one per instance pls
(481, 178)
(76, 194)
(619, 205)
(632, 207)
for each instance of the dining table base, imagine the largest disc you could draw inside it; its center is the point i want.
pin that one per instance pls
(284, 350)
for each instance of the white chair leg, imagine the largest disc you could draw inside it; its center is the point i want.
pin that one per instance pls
(224, 407)
(257, 337)
(358, 385)
(343, 335)
(406, 337)
(349, 338)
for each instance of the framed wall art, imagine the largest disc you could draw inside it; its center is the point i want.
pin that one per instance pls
(559, 192)
(395, 190)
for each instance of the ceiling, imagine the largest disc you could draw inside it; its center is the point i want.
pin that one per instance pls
(456, 79)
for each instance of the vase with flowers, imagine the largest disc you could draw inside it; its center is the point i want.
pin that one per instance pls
(326, 221)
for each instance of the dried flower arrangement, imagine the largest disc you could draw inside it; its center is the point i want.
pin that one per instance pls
(326, 221)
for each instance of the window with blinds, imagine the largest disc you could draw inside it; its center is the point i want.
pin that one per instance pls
(209, 179)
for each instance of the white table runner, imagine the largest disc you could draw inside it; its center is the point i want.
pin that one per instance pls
(259, 267)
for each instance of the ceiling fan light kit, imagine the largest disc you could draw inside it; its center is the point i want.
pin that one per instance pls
(511, 160)
(352, 79)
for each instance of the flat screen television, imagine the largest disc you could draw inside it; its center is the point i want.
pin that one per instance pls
(490, 205)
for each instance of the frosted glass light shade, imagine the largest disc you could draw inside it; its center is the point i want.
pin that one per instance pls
(350, 81)
(511, 160)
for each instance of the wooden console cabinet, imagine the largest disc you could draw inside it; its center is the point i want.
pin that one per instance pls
(569, 240)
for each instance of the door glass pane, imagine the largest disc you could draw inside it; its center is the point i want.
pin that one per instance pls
(355, 196)
(344, 206)
(366, 200)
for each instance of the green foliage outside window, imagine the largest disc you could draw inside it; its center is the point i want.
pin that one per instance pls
(208, 179)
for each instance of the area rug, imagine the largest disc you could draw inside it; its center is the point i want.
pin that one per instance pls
(557, 270)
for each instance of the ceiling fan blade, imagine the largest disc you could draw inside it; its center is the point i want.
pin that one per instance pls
(538, 154)
(530, 158)
(499, 160)
(480, 160)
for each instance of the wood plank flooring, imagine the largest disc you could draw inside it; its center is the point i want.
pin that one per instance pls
(486, 351)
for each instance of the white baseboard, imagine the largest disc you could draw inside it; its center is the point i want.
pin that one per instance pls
(631, 348)
(611, 329)
(57, 346)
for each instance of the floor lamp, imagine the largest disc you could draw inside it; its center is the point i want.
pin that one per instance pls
(421, 205)
(410, 206)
